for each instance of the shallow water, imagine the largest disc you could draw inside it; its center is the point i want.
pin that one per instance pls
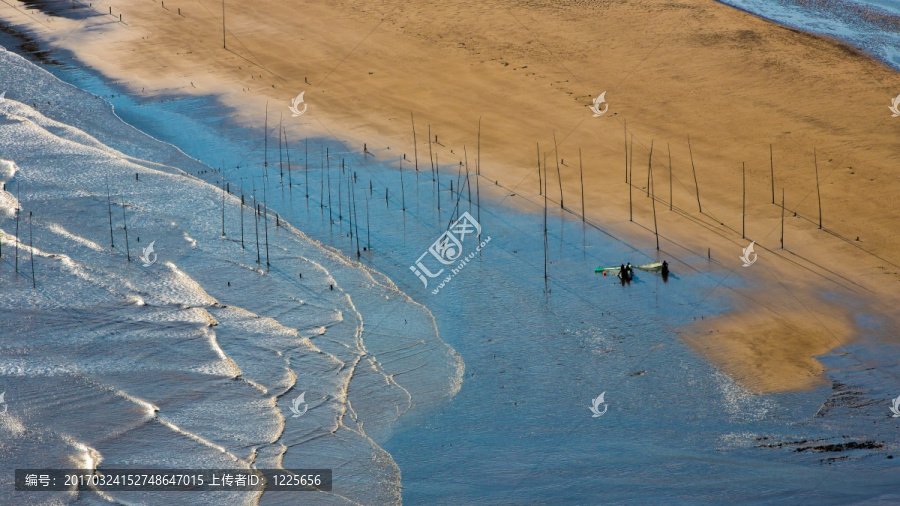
(871, 25)
(519, 429)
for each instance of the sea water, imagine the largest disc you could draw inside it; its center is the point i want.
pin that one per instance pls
(870, 25)
(535, 352)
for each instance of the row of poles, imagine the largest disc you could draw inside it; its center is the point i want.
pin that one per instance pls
(18, 213)
(261, 211)
(629, 159)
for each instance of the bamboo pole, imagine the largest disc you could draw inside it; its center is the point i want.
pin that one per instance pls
(546, 245)
(653, 198)
(437, 170)
(694, 170)
(321, 182)
(18, 213)
(280, 161)
(581, 175)
(540, 179)
(349, 208)
(415, 146)
(256, 222)
(287, 150)
(31, 247)
(743, 200)
(242, 218)
(818, 191)
(266, 144)
(669, 149)
(306, 170)
(630, 186)
(368, 238)
(109, 208)
(478, 176)
(328, 170)
(266, 225)
(223, 199)
(356, 219)
(625, 128)
(648, 171)
(558, 174)
(340, 198)
(431, 156)
(772, 171)
(782, 218)
(402, 188)
(125, 222)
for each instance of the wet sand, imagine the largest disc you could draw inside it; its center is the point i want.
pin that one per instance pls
(733, 82)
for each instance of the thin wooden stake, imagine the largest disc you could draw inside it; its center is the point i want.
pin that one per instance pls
(356, 218)
(818, 192)
(782, 218)
(558, 174)
(18, 209)
(743, 200)
(328, 170)
(242, 218)
(350, 208)
(31, 247)
(287, 150)
(653, 199)
(321, 182)
(306, 170)
(280, 162)
(125, 221)
(540, 179)
(630, 185)
(340, 199)
(109, 208)
(415, 146)
(478, 175)
(368, 241)
(256, 223)
(546, 245)
(669, 149)
(223, 200)
(266, 225)
(772, 171)
(581, 175)
(430, 156)
(694, 170)
(649, 164)
(402, 188)
(437, 170)
(266, 144)
(625, 128)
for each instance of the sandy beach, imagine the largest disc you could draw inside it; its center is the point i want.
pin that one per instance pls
(528, 71)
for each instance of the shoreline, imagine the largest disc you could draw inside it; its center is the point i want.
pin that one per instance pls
(796, 301)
